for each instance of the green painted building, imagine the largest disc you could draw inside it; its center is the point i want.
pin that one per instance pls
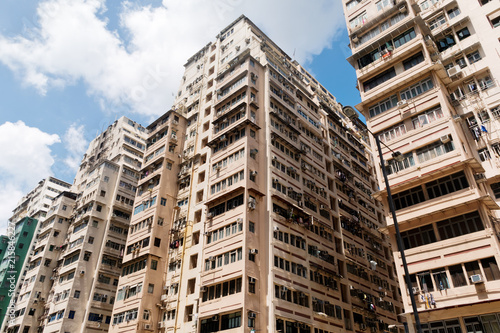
(15, 248)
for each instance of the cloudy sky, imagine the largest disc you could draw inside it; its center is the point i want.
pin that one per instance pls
(68, 68)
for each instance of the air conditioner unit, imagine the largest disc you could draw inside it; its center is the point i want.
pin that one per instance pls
(237, 47)
(415, 290)
(164, 297)
(457, 117)
(283, 288)
(476, 278)
(215, 318)
(254, 251)
(211, 258)
(402, 102)
(253, 173)
(223, 137)
(252, 315)
(239, 220)
(454, 71)
(275, 158)
(209, 215)
(251, 205)
(480, 177)
(251, 280)
(247, 40)
(161, 324)
(203, 289)
(322, 206)
(147, 327)
(219, 91)
(355, 38)
(445, 139)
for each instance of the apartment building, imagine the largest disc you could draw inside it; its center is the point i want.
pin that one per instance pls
(38, 280)
(37, 202)
(71, 279)
(36, 205)
(428, 75)
(254, 211)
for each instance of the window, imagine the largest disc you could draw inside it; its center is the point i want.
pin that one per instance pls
(392, 133)
(408, 198)
(454, 12)
(473, 57)
(460, 225)
(457, 276)
(229, 321)
(352, 4)
(383, 4)
(394, 166)
(103, 193)
(383, 106)
(154, 264)
(413, 60)
(495, 187)
(495, 19)
(157, 242)
(251, 227)
(490, 268)
(418, 236)
(163, 201)
(463, 33)
(427, 117)
(91, 240)
(358, 20)
(417, 89)
(437, 22)
(379, 79)
(446, 185)
(445, 43)
(434, 150)
(484, 154)
(440, 278)
(404, 38)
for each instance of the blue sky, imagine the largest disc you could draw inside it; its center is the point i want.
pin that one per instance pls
(68, 68)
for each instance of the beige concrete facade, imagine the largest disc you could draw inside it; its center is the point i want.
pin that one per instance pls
(38, 204)
(428, 76)
(72, 277)
(269, 222)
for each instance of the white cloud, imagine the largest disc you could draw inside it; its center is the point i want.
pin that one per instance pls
(75, 144)
(73, 42)
(26, 159)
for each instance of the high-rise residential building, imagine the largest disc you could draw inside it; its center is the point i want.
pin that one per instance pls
(254, 211)
(34, 205)
(71, 279)
(38, 280)
(37, 202)
(428, 76)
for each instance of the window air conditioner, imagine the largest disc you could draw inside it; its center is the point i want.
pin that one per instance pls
(402, 102)
(476, 278)
(454, 71)
(445, 138)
